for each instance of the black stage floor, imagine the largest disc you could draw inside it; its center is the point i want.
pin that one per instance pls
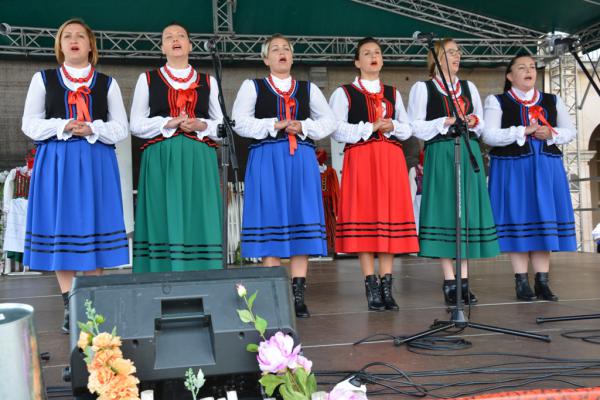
(335, 296)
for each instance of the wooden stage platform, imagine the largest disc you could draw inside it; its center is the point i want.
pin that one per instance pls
(336, 299)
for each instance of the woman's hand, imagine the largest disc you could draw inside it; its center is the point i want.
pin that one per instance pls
(175, 122)
(531, 128)
(449, 121)
(543, 133)
(294, 128)
(193, 125)
(279, 125)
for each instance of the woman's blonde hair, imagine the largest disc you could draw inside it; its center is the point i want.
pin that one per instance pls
(92, 56)
(439, 52)
(264, 51)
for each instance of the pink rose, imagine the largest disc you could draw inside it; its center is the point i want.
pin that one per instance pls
(345, 394)
(303, 362)
(275, 354)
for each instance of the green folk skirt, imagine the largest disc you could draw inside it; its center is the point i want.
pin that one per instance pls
(437, 222)
(178, 213)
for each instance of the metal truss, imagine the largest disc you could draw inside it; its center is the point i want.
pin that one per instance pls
(452, 18)
(223, 15)
(563, 82)
(27, 41)
(589, 38)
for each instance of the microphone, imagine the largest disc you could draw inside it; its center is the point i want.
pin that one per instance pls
(419, 36)
(565, 41)
(209, 45)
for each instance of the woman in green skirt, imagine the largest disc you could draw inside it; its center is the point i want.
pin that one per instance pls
(431, 116)
(178, 216)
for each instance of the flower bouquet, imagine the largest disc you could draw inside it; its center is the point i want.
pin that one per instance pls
(111, 376)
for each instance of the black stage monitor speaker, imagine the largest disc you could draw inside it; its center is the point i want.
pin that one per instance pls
(169, 322)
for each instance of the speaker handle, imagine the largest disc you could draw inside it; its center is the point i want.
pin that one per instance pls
(159, 323)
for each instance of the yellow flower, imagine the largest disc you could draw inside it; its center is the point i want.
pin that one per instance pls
(122, 388)
(100, 379)
(123, 366)
(85, 339)
(105, 341)
(102, 358)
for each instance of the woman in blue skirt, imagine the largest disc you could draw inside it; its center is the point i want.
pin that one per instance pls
(283, 205)
(528, 185)
(75, 115)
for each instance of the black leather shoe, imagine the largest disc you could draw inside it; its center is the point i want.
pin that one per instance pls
(449, 289)
(386, 292)
(542, 290)
(467, 296)
(522, 288)
(65, 326)
(373, 292)
(298, 287)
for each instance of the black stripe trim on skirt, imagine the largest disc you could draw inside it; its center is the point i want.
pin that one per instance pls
(454, 229)
(386, 236)
(286, 233)
(376, 229)
(284, 240)
(75, 251)
(282, 226)
(146, 251)
(75, 243)
(75, 236)
(535, 229)
(539, 234)
(376, 223)
(452, 234)
(539, 223)
(453, 241)
(179, 258)
(148, 244)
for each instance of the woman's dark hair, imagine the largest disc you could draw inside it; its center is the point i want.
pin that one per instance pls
(362, 42)
(175, 23)
(507, 83)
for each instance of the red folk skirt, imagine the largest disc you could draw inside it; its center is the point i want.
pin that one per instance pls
(375, 212)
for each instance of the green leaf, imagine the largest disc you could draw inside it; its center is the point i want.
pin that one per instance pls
(114, 331)
(89, 354)
(290, 394)
(261, 325)
(251, 300)
(252, 348)
(301, 377)
(311, 384)
(245, 316)
(84, 327)
(270, 382)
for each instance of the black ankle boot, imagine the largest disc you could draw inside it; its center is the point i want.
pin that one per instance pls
(542, 290)
(449, 289)
(522, 288)
(467, 296)
(65, 325)
(373, 292)
(298, 286)
(386, 292)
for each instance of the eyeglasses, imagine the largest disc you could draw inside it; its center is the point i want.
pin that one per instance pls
(453, 52)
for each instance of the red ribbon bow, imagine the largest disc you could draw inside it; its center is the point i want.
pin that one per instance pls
(185, 96)
(537, 113)
(290, 103)
(77, 98)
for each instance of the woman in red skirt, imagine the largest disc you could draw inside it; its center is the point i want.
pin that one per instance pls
(375, 211)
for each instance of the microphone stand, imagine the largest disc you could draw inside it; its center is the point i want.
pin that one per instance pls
(458, 319)
(228, 154)
(541, 320)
